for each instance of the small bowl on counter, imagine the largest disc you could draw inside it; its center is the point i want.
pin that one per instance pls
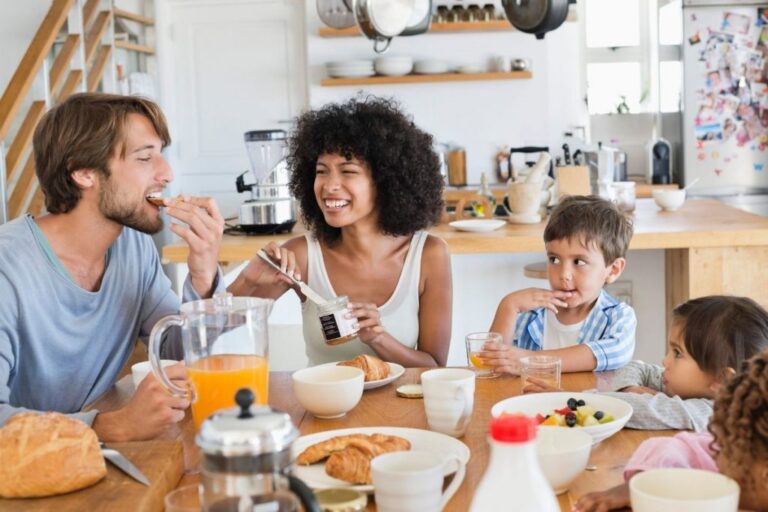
(328, 391)
(668, 199)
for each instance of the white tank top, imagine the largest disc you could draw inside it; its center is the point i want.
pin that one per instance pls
(399, 314)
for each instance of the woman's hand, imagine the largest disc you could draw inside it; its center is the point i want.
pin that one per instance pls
(368, 320)
(260, 273)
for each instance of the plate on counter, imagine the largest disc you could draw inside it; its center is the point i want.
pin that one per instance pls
(315, 476)
(477, 225)
(395, 371)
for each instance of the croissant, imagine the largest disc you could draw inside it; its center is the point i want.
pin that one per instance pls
(47, 454)
(353, 463)
(374, 368)
(323, 449)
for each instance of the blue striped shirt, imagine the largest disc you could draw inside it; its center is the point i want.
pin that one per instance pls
(608, 330)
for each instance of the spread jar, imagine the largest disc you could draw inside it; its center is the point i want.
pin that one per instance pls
(336, 327)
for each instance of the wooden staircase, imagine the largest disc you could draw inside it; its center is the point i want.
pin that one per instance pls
(72, 51)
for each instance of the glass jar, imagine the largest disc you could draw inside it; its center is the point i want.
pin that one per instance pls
(623, 195)
(337, 328)
(473, 13)
(441, 15)
(489, 12)
(456, 14)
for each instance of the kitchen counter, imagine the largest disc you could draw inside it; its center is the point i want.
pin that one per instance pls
(709, 247)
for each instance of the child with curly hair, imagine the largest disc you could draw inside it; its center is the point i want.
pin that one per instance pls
(368, 184)
(709, 338)
(737, 445)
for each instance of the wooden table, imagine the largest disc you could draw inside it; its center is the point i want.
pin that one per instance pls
(710, 248)
(382, 407)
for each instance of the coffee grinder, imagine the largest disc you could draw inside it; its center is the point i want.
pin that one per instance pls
(271, 209)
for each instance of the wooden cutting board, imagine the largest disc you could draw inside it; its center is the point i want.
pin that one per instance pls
(162, 462)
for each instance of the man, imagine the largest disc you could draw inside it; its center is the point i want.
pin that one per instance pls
(79, 285)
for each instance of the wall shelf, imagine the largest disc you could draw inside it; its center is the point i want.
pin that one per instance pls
(413, 79)
(464, 26)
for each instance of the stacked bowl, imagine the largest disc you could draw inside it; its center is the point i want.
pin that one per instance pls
(393, 66)
(350, 69)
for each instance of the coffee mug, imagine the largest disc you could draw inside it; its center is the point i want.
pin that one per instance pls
(413, 481)
(449, 395)
(672, 490)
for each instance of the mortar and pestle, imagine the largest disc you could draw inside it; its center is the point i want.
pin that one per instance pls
(525, 197)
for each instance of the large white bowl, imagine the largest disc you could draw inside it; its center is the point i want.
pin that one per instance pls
(676, 489)
(328, 391)
(669, 200)
(563, 455)
(544, 403)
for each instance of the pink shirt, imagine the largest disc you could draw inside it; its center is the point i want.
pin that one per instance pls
(685, 450)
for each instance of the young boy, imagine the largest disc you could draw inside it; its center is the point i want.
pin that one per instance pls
(586, 240)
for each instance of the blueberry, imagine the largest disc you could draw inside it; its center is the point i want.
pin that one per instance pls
(581, 403)
(572, 404)
(599, 415)
(570, 419)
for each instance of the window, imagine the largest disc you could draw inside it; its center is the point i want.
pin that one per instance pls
(632, 55)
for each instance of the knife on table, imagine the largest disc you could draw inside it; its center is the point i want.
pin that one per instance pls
(123, 464)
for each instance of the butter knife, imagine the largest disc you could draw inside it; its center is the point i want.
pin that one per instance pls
(305, 289)
(123, 464)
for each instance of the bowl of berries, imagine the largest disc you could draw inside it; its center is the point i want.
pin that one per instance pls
(598, 415)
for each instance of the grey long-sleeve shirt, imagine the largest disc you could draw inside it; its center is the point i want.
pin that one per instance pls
(61, 346)
(659, 411)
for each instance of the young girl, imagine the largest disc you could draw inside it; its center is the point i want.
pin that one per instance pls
(737, 445)
(709, 338)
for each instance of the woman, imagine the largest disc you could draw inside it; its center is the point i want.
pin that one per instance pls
(368, 184)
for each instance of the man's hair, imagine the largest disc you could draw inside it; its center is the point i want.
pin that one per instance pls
(591, 220)
(739, 422)
(85, 132)
(721, 331)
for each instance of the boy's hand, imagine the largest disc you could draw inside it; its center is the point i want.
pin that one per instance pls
(639, 389)
(534, 298)
(534, 385)
(503, 358)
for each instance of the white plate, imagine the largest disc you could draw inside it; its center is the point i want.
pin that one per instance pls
(477, 225)
(395, 371)
(544, 403)
(351, 73)
(315, 476)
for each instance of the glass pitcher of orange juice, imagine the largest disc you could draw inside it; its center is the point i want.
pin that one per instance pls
(225, 348)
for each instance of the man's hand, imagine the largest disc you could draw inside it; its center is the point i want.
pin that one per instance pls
(149, 413)
(203, 231)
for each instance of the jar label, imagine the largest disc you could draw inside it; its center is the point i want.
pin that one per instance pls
(336, 325)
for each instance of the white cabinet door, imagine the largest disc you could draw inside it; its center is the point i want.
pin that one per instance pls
(227, 67)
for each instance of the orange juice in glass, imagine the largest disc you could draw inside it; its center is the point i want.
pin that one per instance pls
(475, 342)
(225, 348)
(216, 379)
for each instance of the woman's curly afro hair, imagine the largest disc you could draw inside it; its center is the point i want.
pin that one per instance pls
(404, 168)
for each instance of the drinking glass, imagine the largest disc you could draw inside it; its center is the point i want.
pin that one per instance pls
(183, 499)
(475, 342)
(546, 368)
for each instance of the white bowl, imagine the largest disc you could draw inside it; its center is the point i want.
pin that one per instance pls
(563, 455)
(669, 200)
(430, 67)
(328, 391)
(673, 490)
(394, 68)
(544, 403)
(139, 371)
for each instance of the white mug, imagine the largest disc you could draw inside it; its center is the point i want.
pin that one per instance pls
(675, 489)
(449, 394)
(413, 481)
(502, 64)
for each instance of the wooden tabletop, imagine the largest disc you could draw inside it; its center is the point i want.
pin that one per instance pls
(699, 223)
(382, 407)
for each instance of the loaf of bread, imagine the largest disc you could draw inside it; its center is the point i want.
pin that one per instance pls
(374, 368)
(47, 454)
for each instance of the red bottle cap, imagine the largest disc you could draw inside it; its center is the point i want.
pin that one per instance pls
(513, 429)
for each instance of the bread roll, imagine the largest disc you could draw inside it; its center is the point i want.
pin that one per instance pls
(374, 368)
(47, 454)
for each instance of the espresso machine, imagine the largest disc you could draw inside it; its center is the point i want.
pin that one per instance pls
(271, 209)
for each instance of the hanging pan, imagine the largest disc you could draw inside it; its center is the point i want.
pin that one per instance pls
(381, 20)
(335, 13)
(536, 16)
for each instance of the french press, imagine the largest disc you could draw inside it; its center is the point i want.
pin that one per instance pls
(247, 461)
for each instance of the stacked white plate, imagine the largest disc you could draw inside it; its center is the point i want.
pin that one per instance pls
(430, 67)
(350, 69)
(393, 66)
(469, 69)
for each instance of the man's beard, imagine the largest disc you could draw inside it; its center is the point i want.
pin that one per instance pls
(132, 216)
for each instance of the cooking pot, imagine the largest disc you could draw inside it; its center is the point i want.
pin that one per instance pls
(421, 18)
(536, 16)
(335, 13)
(381, 20)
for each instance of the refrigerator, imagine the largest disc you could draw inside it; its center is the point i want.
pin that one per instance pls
(725, 100)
